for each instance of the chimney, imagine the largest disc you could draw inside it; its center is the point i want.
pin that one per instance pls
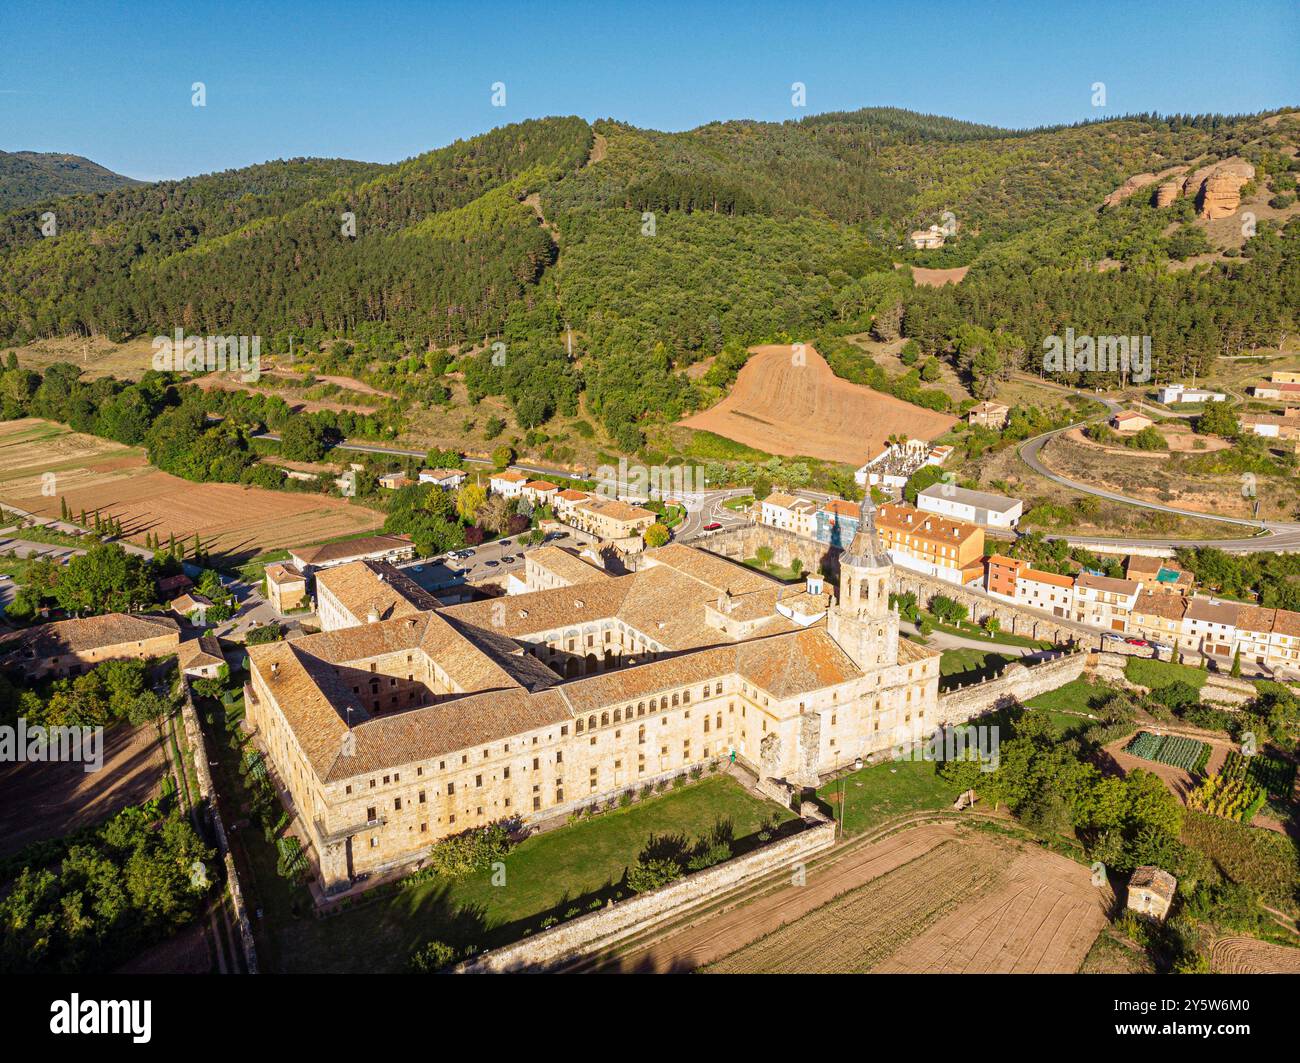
(373, 616)
(275, 667)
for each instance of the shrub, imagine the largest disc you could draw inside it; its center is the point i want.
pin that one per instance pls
(649, 873)
(433, 957)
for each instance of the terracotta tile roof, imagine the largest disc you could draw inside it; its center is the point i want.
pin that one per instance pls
(187, 603)
(1157, 603)
(568, 566)
(714, 572)
(350, 548)
(1055, 579)
(1209, 611)
(82, 634)
(1255, 618)
(616, 510)
(203, 650)
(171, 584)
(570, 495)
(283, 573)
(778, 499)
(509, 476)
(541, 485)
(1087, 581)
(360, 586)
(840, 508)
(931, 527)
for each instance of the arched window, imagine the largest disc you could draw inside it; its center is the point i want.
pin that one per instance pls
(591, 722)
(674, 699)
(580, 725)
(604, 719)
(618, 715)
(640, 735)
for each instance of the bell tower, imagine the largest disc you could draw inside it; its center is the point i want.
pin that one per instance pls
(862, 622)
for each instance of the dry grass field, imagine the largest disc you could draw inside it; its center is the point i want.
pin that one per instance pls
(1170, 481)
(97, 474)
(1246, 955)
(937, 278)
(781, 407)
(943, 901)
(95, 356)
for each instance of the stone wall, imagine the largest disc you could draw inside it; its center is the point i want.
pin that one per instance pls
(1017, 682)
(588, 934)
(742, 542)
(207, 807)
(1222, 689)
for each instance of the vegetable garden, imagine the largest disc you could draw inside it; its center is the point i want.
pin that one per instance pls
(1176, 750)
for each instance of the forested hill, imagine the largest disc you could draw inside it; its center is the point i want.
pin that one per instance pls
(662, 249)
(32, 176)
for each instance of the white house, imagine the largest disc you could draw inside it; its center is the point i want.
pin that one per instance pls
(1182, 393)
(449, 479)
(975, 507)
(508, 484)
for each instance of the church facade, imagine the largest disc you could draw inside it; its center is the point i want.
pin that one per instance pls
(420, 723)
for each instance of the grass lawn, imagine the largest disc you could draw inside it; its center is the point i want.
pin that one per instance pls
(968, 630)
(1156, 674)
(881, 791)
(779, 571)
(738, 504)
(579, 866)
(970, 666)
(1078, 695)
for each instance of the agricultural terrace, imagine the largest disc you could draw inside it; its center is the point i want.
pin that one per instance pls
(43, 464)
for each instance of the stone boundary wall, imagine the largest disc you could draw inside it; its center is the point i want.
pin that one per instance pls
(588, 933)
(1217, 688)
(1017, 683)
(194, 736)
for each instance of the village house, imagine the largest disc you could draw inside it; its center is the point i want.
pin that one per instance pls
(447, 479)
(73, 647)
(286, 586)
(975, 507)
(1048, 591)
(952, 550)
(610, 519)
(507, 484)
(393, 481)
(1001, 574)
(989, 415)
(201, 657)
(390, 735)
(1130, 421)
(1103, 601)
(1151, 891)
(548, 567)
(789, 512)
(540, 492)
(565, 500)
(1172, 393)
(310, 559)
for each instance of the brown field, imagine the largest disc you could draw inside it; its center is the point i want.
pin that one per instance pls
(969, 904)
(782, 408)
(1180, 440)
(1246, 955)
(937, 278)
(97, 474)
(41, 801)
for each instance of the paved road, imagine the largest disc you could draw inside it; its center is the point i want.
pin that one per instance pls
(1274, 536)
(706, 507)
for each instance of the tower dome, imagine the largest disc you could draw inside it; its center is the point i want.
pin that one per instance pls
(865, 550)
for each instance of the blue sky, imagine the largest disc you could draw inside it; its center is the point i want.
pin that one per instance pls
(384, 81)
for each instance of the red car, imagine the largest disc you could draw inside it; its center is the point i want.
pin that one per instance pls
(1137, 642)
(712, 526)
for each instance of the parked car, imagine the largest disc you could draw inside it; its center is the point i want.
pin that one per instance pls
(507, 559)
(713, 525)
(491, 563)
(1137, 642)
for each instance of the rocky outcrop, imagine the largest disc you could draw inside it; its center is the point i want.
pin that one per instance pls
(1129, 188)
(1168, 192)
(1138, 182)
(1221, 193)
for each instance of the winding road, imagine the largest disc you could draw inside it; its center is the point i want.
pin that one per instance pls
(1274, 536)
